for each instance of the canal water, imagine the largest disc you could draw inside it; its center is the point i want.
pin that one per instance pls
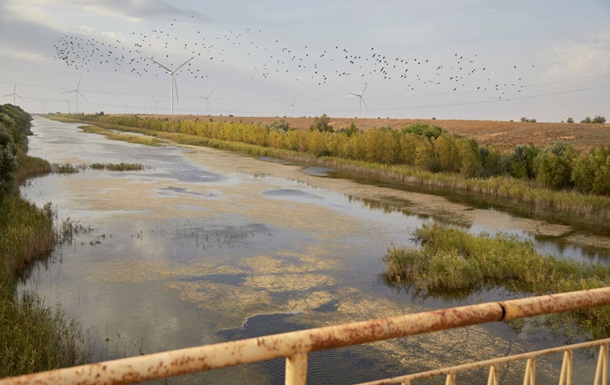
(205, 246)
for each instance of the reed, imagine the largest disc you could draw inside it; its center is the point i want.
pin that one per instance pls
(33, 336)
(453, 263)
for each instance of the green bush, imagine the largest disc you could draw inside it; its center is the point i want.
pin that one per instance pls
(321, 124)
(553, 166)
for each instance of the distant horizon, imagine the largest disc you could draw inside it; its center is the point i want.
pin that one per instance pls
(577, 120)
(464, 59)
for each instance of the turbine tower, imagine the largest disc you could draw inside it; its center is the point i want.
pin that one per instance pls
(77, 92)
(172, 74)
(156, 103)
(293, 106)
(67, 101)
(361, 96)
(14, 95)
(207, 102)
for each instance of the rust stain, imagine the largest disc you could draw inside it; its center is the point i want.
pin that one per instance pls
(296, 345)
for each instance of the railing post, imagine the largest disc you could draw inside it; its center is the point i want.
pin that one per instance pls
(296, 369)
(601, 373)
(530, 372)
(450, 379)
(565, 377)
(493, 375)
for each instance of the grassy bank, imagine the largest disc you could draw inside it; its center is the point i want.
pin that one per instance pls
(454, 263)
(525, 195)
(33, 336)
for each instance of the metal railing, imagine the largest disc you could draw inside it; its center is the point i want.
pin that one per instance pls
(295, 346)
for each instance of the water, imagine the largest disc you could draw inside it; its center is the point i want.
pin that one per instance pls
(204, 246)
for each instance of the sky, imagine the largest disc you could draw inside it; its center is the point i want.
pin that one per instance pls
(460, 59)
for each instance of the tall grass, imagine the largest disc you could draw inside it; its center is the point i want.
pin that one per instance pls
(455, 263)
(33, 336)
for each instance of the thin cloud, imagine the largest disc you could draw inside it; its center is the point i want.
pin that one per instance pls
(586, 56)
(141, 9)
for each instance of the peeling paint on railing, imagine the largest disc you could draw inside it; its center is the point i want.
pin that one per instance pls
(296, 345)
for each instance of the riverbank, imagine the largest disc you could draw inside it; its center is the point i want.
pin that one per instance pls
(34, 337)
(520, 196)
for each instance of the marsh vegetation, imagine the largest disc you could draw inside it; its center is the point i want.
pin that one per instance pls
(454, 263)
(33, 336)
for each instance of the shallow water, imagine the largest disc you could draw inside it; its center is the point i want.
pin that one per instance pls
(204, 246)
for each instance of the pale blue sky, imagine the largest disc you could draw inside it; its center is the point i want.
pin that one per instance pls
(462, 59)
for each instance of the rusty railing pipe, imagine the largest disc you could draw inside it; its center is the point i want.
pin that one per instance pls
(296, 345)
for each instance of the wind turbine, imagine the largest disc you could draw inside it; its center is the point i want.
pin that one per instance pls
(43, 102)
(14, 95)
(156, 103)
(293, 106)
(67, 101)
(77, 92)
(207, 102)
(361, 96)
(172, 74)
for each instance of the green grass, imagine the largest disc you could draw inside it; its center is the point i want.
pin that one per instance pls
(454, 263)
(68, 168)
(117, 166)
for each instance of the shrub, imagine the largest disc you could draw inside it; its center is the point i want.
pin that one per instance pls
(321, 124)
(554, 166)
(599, 119)
(280, 125)
(422, 129)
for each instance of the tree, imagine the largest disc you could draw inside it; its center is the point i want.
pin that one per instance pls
(280, 125)
(554, 166)
(599, 120)
(469, 157)
(570, 120)
(521, 162)
(586, 120)
(321, 123)
(591, 172)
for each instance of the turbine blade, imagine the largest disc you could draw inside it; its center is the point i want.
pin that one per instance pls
(349, 93)
(20, 97)
(365, 85)
(210, 94)
(79, 80)
(159, 64)
(83, 96)
(183, 64)
(363, 102)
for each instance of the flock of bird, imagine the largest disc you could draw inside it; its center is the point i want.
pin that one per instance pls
(141, 54)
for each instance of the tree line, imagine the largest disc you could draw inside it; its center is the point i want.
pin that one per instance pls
(424, 146)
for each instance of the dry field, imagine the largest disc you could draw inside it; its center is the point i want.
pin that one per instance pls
(498, 134)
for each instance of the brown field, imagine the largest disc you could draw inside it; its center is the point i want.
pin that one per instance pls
(498, 134)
